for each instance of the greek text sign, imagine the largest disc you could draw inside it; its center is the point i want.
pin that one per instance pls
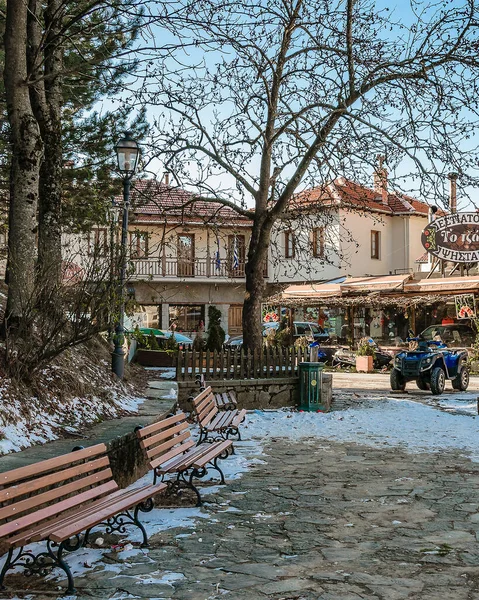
(454, 238)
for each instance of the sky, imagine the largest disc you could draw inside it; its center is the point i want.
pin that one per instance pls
(400, 12)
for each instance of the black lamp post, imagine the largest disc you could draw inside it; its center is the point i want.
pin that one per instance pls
(127, 153)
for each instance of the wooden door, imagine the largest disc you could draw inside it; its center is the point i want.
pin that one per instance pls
(235, 319)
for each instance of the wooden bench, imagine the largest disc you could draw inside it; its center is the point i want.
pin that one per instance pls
(215, 424)
(58, 501)
(172, 452)
(224, 401)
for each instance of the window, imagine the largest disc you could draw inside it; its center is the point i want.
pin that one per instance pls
(97, 242)
(375, 244)
(138, 244)
(183, 317)
(318, 242)
(288, 244)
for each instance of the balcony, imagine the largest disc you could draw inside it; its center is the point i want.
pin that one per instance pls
(173, 268)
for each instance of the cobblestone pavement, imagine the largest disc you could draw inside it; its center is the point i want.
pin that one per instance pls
(317, 520)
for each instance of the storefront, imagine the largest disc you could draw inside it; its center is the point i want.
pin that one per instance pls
(383, 308)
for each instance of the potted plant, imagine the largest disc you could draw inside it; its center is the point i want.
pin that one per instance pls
(364, 356)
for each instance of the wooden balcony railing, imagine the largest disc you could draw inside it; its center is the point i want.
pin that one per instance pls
(200, 267)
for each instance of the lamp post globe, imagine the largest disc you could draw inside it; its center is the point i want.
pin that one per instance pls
(127, 153)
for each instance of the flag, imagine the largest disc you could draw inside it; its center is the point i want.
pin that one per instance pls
(235, 254)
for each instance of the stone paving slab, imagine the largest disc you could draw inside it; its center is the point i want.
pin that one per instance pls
(314, 525)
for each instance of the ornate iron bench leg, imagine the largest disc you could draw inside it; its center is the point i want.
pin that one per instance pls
(55, 551)
(214, 465)
(6, 566)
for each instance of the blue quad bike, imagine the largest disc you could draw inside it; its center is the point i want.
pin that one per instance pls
(429, 365)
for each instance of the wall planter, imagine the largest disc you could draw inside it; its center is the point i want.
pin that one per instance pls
(155, 358)
(364, 364)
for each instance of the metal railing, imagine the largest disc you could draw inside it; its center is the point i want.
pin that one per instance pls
(200, 267)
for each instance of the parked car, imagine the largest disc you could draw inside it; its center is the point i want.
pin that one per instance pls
(161, 336)
(301, 328)
(457, 335)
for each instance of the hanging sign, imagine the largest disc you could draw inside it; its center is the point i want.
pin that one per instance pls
(454, 238)
(465, 306)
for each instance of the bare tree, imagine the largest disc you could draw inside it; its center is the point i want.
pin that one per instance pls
(273, 97)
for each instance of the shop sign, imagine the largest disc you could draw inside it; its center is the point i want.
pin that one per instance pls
(465, 306)
(454, 238)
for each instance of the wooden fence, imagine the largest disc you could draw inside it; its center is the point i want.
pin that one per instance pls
(239, 364)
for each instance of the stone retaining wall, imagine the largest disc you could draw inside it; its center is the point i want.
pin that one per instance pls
(251, 393)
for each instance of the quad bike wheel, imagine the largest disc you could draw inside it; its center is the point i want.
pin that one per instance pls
(438, 381)
(422, 384)
(461, 381)
(397, 381)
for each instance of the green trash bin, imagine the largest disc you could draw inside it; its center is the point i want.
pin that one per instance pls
(310, 378)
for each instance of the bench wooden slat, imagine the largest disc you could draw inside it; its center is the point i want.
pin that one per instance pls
(50, 464)
(45, 513)
(166, 433)
(186, 460)
(162, 448)
(212, 452)
(160, 425)
(207, 409)
(205, 402)
(207, 415)
(239, 417)
(119, 505)
(175, 452)
(14, 491)
(18, 508)
(222, 421)
(233, 398)
(202, 395)
(39, 532)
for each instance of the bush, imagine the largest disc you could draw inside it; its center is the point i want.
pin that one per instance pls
(153, 342)
(171, 344)
(216, 333)
(364, 347)
(284, 337)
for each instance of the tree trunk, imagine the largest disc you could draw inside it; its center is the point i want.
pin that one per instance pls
(47, 103)
(255, 284)
(26, 149)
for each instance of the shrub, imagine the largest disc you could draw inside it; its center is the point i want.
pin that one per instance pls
(216, 333)
(364, 347)
(153, 342)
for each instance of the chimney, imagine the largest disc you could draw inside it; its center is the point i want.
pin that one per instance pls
(167, 179)
(452, 192)
(381, 180)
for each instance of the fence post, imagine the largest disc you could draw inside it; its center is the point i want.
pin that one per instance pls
(187, 365)
(242, 363)
(179, 356)
(215, 364)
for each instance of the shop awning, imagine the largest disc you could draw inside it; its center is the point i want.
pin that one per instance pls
(383, 283)
(377, 291)
(312, 290)
(449, 285)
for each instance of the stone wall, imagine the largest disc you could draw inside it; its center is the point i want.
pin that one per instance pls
(251, 393)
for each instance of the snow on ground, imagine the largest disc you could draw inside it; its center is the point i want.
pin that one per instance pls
(41, 426)
(399, 422)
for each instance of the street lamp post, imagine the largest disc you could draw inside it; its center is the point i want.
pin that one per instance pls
(127, 152)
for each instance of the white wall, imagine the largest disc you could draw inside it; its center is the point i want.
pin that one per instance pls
(304, 266)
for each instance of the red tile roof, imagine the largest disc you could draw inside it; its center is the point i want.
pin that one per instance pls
(347, 193)
(154, 201)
